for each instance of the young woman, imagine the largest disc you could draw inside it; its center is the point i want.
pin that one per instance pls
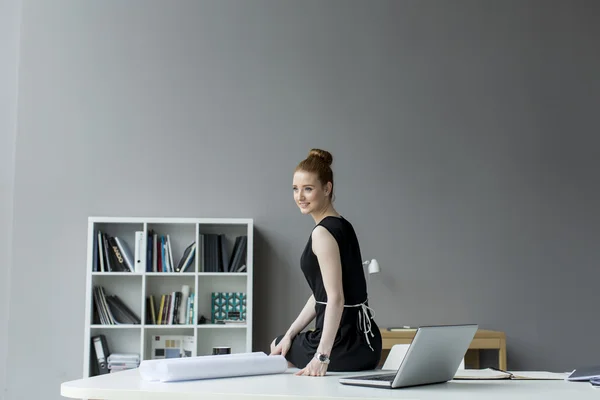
(345, 337)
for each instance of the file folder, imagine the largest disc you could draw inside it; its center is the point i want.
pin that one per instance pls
(100, 354)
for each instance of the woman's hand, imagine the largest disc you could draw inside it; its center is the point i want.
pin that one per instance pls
(314, 368)
(283, 346)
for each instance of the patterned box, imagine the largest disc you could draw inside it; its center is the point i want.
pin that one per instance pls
(228, 306)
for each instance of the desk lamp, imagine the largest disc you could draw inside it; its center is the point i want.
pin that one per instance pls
(373, 268)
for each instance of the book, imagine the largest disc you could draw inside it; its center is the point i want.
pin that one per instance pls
(111, 310)
(493, 373)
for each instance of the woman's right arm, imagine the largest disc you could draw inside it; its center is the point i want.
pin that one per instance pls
(305, 317)
(307, 314)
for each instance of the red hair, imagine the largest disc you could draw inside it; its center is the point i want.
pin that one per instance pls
(319, 162)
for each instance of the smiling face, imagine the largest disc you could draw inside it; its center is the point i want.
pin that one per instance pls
(309, 193)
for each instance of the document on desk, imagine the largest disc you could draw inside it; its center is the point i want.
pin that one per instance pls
(491, 373)
(208, 367)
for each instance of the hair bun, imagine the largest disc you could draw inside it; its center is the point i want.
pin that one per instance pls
(324, 155)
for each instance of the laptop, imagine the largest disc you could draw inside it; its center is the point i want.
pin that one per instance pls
(433, 357)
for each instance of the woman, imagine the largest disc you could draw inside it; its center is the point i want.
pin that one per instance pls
(345, 337)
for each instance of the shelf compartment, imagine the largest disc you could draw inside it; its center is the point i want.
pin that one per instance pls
(217, 283)
(157, 287)
(228, 233)
(128, 290)
(170, 330)
(122, 230)
(180, 236)
(209, 338)
(119, 340)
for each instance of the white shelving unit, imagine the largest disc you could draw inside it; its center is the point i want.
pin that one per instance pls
(134, 287)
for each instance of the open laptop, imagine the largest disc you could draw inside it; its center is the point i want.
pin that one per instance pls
(433, 357)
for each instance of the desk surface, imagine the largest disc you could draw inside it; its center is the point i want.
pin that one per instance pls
(128, 385)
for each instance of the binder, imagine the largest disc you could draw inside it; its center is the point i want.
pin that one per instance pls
(100, 354)
(139, 252)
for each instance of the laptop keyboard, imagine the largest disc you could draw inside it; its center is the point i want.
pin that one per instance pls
(385, 377)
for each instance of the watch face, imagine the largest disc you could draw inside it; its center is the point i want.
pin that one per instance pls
(322, 357)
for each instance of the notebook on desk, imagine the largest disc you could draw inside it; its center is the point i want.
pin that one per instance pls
(492, 373)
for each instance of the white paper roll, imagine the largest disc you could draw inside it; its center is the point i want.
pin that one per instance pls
(207, 367)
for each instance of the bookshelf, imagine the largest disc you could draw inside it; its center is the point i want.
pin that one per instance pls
(144, 255)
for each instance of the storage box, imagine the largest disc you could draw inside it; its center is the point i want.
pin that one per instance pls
(228, 307)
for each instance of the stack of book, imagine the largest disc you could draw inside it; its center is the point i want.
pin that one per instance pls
(110, 310)
(159, 255)
(122, 361)
(111, 254)
(215, 254)
(173, 308)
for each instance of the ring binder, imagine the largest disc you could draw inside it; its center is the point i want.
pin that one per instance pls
(100, 353)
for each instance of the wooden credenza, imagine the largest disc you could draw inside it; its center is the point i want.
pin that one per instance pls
(483, 340)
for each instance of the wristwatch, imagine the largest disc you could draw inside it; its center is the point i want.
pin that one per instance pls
(324, 358)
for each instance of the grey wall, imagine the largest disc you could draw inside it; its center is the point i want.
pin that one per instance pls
(462, 135)
(10, 13)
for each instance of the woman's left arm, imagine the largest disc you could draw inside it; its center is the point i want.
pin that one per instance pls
(327, 251)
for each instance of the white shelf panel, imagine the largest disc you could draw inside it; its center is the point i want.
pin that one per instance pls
(222, 326)
(128, 326)
(201, 326)
(222, 274)
(166, 220)
(169, 274)
(117, 274)
(209, 338)
(168, 326)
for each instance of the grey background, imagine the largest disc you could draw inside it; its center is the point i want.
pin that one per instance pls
(9, 45)
(463, 135)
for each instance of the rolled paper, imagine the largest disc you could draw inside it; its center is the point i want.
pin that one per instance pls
(208, 367)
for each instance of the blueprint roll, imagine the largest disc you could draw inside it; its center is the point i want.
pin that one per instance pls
(208, 367)
(149, 368)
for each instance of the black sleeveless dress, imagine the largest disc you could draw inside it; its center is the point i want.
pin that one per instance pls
(357, 344)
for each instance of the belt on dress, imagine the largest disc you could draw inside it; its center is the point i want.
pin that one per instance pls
(365, 315)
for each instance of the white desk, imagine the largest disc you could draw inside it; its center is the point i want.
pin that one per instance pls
(128, 385)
